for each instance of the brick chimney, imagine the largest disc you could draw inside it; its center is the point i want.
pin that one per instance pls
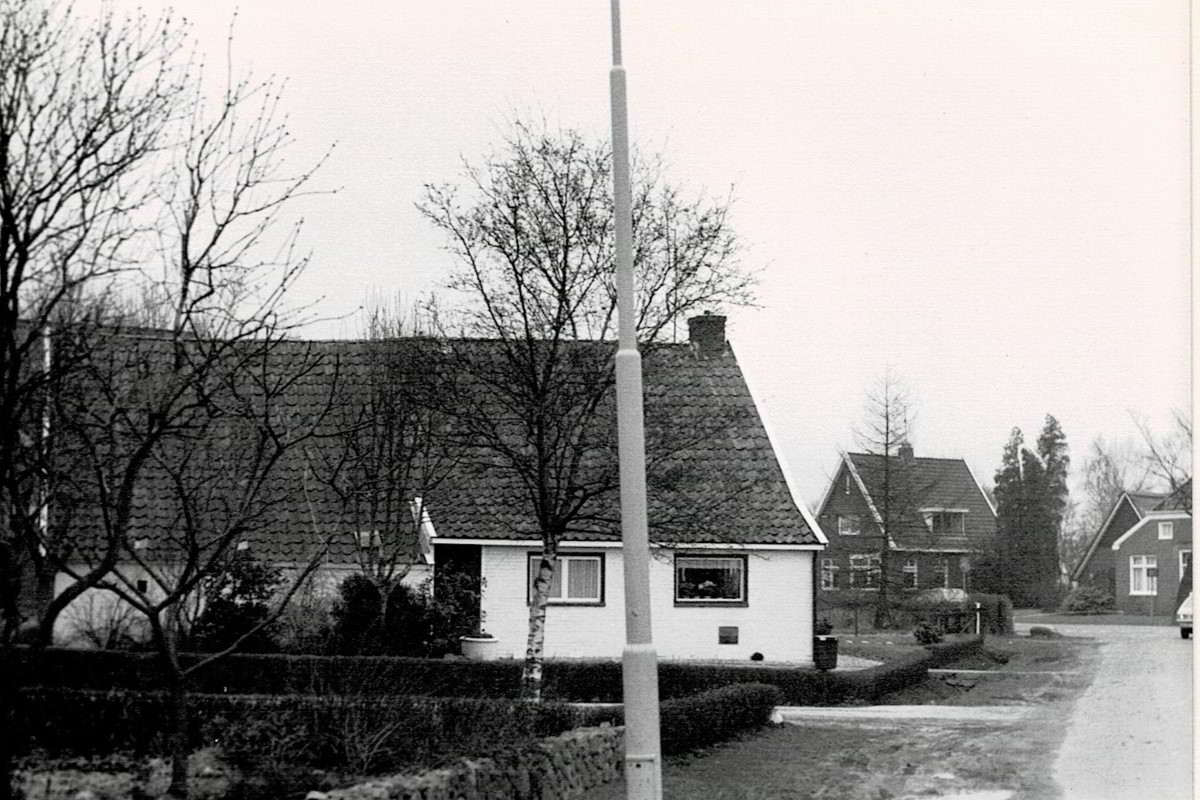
(706, 334)
(906, 453)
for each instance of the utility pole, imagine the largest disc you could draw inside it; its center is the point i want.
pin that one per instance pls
(639, 661)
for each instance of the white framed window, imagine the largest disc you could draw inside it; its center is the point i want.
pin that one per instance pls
(849, 525)
(945, 522)
(910, 573)
(578, 579)
(829, 571)
(942, 570)
(864, 571)
(1185, 561)
(1166, 530)
(1143, 575)
(712, 580)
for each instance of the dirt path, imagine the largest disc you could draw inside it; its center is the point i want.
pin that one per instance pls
(1130, 735)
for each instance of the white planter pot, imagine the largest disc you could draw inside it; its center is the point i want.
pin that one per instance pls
(480, 648)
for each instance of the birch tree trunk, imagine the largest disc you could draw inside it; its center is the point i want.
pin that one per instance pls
(531, 674)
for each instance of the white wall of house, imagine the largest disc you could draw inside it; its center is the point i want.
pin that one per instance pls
(776, 620)
(98, 610)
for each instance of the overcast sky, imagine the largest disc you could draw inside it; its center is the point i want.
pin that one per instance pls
(990, 197)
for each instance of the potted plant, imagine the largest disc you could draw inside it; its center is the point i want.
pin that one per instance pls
(479, 645)
(825, 647)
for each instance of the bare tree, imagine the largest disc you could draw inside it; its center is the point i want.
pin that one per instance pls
(392, 446)
(534, 250)
(1167, 457)
(141, 324)
(885, 433)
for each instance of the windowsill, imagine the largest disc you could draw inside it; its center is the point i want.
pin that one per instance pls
(1143, 594)
(713, 603)
(573, 603)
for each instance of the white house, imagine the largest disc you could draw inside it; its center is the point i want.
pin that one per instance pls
(736, 581)
(734, 548)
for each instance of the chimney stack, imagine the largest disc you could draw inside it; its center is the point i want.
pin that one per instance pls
(906, 453)
(706, 334)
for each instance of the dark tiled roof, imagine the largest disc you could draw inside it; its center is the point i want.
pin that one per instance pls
(1146, 502)
(720, 482)
(1178, 500)
(929, 483)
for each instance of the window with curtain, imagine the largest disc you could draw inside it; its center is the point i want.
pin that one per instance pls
(582, 575)
(710, 579)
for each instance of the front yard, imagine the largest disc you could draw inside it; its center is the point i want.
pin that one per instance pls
(878, 760)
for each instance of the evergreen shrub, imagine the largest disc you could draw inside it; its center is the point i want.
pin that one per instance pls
(1089, 600)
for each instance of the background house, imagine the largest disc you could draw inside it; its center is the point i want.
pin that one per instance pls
(946, 520)
(1096, 566)
(1151, 560)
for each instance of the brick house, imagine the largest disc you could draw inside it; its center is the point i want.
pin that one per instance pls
(1096, 568)
(946, 520)
(1150, 561)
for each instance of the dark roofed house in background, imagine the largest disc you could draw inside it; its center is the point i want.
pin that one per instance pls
(947, 520)
(1142, 552)
(734, 548)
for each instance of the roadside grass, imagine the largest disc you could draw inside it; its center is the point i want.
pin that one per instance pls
(1045, 618)
(875, 760)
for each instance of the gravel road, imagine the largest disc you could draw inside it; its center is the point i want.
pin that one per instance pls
(1130, 736)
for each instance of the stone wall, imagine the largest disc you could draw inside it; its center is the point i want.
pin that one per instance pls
(557, 768)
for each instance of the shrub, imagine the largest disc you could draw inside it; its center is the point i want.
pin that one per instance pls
(236, 599)
(355, 734)
(1088, 600)
(926, 634)
(996, 613)
(357, 616)
(714, 716)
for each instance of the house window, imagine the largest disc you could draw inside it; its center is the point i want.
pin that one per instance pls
(581, 574)
(1143, 575)
(849, 525)
(864, 571)
(910, 573)
(1166, 530)
(942, 571)
(710, 579)
(829, 571)
(946, 523)
(1185, 561)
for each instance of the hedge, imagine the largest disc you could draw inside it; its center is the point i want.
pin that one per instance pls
(575, 681)
(360, 734)
(357, 734)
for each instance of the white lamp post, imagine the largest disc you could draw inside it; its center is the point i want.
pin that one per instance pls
(643, 758)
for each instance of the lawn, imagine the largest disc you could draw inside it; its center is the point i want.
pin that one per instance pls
(883, 646)
(878, 760)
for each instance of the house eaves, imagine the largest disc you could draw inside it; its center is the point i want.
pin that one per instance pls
(1153, 516)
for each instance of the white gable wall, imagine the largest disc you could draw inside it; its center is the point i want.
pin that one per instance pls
(777, 621)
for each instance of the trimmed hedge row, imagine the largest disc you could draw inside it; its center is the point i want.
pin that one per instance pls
(361, 733)
(575, 681)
